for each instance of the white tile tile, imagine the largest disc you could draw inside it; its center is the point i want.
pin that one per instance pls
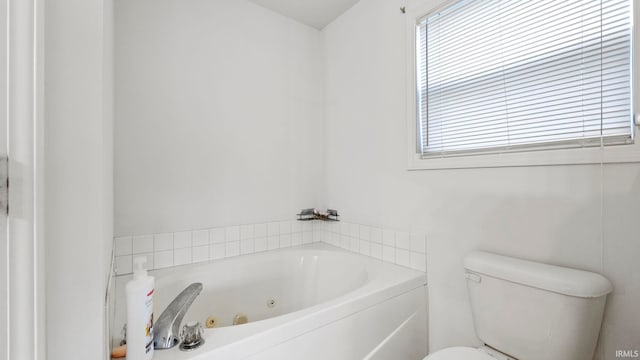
(285, 240)
(318, 225)
(149, 256)
(354, 244)
(333, 226)
(334, 239)
(124, 264)
(354, 231)
(365, 247)
(124, 246)
(182, 256)
(388, 238)
(329, 237)
(307, 226)
(246, 232)
(296, 226)
(403, 257)
(232, 233)
(216, 236)
(162, 242)
(307, 237)
(260, 230)
(232, 249)
(376, 235)
(285, 227)
(418, 243)
(261, 244)
(182, 239)
(200, 253)
(246, 246)
(142, 244)
(273, 242)
(163, 259)
(376, 250)
(345, 242)
(388, 254)
(296, 239)
(326, 237)
(216, 251)
(344, 228)
(317, 235)
(365, 233)
(403, 241)
(273, 228)
(418, 261)
(200, 238)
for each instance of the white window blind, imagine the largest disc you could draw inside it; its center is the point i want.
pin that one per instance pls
(501, 75)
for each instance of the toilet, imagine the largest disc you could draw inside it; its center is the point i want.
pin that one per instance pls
(525, 310)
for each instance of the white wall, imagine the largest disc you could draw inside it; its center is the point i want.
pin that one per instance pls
(79, 176)
(581, 216)
(219, 115)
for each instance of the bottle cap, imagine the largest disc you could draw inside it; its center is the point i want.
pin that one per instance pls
(138, 270)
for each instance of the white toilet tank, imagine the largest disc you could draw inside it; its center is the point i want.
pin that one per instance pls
(532, 311)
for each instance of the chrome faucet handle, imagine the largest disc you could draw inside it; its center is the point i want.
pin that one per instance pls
(191, 336)
(166, 329)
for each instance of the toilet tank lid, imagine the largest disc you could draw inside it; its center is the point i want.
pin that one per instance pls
(558, 279)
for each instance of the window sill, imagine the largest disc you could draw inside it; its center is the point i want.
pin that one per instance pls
(578, 156)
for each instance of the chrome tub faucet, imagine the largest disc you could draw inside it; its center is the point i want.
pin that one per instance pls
(166, 330)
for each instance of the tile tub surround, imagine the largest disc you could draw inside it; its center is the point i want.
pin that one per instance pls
(187, 247)
(398, 247)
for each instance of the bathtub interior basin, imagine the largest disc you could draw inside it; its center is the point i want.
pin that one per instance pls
(262, 286)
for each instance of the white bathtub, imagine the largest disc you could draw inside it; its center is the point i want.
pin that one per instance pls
(329, 304)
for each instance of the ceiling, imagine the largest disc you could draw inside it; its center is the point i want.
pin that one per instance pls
(315, 13)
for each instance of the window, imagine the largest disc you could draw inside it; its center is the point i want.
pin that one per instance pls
(513, 76)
